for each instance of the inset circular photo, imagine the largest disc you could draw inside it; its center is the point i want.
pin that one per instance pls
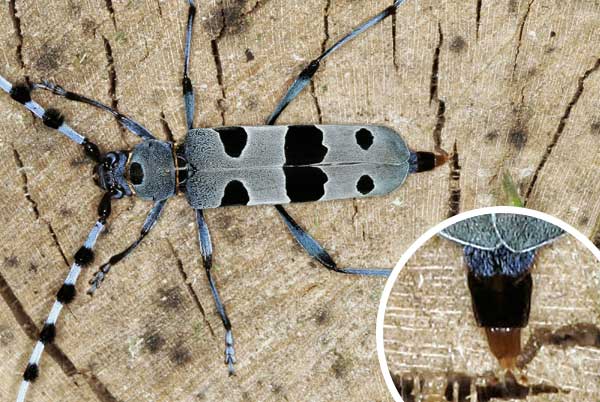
(491, 305)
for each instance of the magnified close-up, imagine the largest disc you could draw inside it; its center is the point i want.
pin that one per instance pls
(497, 306)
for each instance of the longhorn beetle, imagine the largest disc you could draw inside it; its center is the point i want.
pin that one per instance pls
(216, 167)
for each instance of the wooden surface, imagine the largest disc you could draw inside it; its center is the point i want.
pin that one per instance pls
(508, 84)
(430, 334)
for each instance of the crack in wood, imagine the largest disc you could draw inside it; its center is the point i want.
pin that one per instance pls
(190, 289)
(313, 92)
(12, 10)
(462, 387)
(394, 42)
(435, 67)
(561, 127)
(478, 18)
(111, 11)
(454, 186)
(28, 326)
(521, 32)
(33, 203)
(166, 128)
(568, 336)
(112, 85)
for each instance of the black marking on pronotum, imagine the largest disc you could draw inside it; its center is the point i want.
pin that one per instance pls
(235, 194)
(304, 184)
(224, 166)
(304, 145)
(234, 140)
(365, 185)
(136, 174)
(364, 138)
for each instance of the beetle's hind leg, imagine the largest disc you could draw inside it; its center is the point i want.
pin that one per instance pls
(316, 251)
(206, 251)
(309, 71)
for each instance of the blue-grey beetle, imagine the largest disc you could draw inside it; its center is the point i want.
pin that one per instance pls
(499, 250)
(215, 167)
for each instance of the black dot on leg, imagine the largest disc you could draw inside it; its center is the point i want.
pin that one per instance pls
(21, 93)
(52, 118)
(31, 372)
(48, 334)
(66, 293)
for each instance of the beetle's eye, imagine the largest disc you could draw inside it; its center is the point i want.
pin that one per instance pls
(136, 174)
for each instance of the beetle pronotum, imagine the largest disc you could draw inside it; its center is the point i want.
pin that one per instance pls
(217, 167)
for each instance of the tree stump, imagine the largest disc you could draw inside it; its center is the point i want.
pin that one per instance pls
(504, 85)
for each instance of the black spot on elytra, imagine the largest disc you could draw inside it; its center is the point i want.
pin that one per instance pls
(304, 183)
(518, 139)
(235, 194)
(249, 55)
(458, 44)
(304, 145)
(552, 34)
(234, 140)
(180, 355)
(341, 366)
(153, 341)
(595, 127)
(365, 185)
(364, 138)
(170, 299)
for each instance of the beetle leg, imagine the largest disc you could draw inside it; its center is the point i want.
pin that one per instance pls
(151, 220)
(130, 124)
(309, 71)
(83, 257)
(316, 251)
(206, 251)
(50, 117)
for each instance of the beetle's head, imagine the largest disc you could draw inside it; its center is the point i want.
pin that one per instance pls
(109, 174)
